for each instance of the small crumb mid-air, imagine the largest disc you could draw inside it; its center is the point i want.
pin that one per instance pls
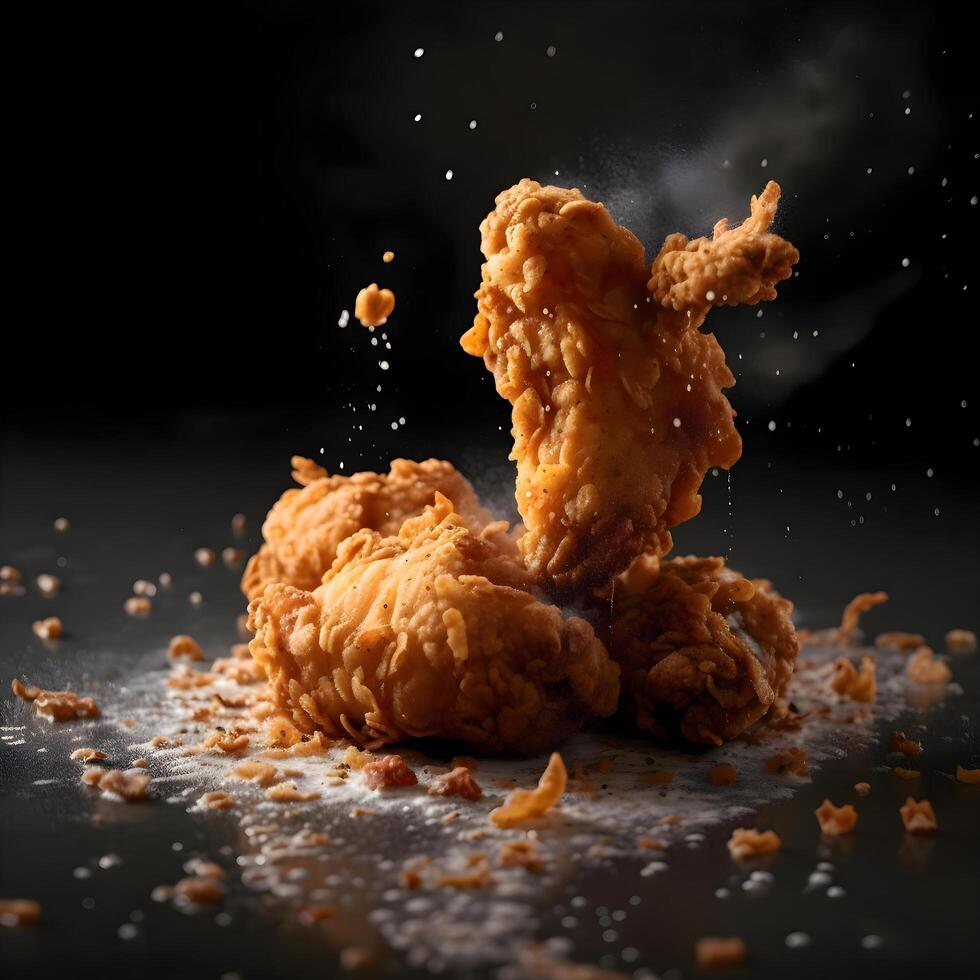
(373, 306)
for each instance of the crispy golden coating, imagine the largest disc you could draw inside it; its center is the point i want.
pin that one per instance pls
(618, 403)
(433, 632)
(305, 527)
(701, 648)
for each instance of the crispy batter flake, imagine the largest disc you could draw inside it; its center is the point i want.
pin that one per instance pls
(526, 804)
(918, 816)
(746, 842)
(836, 821)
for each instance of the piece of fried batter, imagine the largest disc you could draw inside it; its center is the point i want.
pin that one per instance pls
(433, 632)
(305, 526)
(618, 403)
(702, 649)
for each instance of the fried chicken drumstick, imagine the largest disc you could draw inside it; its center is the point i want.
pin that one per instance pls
(306, 525)
(436, 631)
(702, 649)
(618, 403)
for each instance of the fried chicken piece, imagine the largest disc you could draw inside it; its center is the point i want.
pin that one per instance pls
(305, 527)
(618, 403)
(436, 631)
(701, 648)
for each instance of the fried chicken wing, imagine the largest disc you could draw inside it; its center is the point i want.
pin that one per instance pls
(701, 647)
(305, 527)
(618, 403)
(436, 631)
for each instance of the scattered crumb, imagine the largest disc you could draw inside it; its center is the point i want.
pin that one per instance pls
(230, 743)
(388, 772)
(56, 705)
(652, 843)
(849, 682)
(900, 640)
(217, 800)
(789, 761)
(232, 556)
(521, 854)
(918, 817)
(967, 775)
(363, 811)
(671, 820)
(198, 891)
(19, 912)
(10, 575)
(853, 611)
(389, 256)
(961, 641)
(256, 772)
(47, 629)
(746, 842)
(373, 306)
(835, 821)
(87, 755)
(204, 556)
(897, 742)
(410, 877)
(137, 763)
(479, 877)
(288, 793)
(48, 584)
(131, 786)
(204, 869)
(458, 782)
(138, 605)
(924, 668)
(526, 804)
(281, 732)
(862, 789)
(906, 773)
(713, 953)
(723, 775)
(183, 645)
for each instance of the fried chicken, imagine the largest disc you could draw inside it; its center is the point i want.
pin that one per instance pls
(305, 527)
(701, 648)
(618, 403)
(435, 631)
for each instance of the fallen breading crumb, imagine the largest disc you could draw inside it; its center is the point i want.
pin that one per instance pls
(961, 641)
(373, 306)
(288, 793)
(853, 611)
(87, 755)
(656, 778)
(10, 575)
(746, 842)
(906, 773)
(311, 914)
(967, 775)
(230, 743)
(458, 782)
(137, 605)
(204, 556)
(363, 811)
(183, 645)
(924, 668)
(791, 760)
(389, 772)
(193, 891)
(56, 705)
(131, 786)
(714, 953)
(47, 629)
(280, 731)
(48, 584)
(918, 817)
(479, 877)
(19, 912)
(245, 672)
(526, 804)
(897, 742)
(217, 800)
(650, 843)
(521, 854)
(158, 741)
(836, 821)
(862, 789)
(137, 763)
(671, 820)
(723, 775)
(900, 640)
(256, 772)
(409, 877)
(389, 256)
(204, 869)
(848, 682)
